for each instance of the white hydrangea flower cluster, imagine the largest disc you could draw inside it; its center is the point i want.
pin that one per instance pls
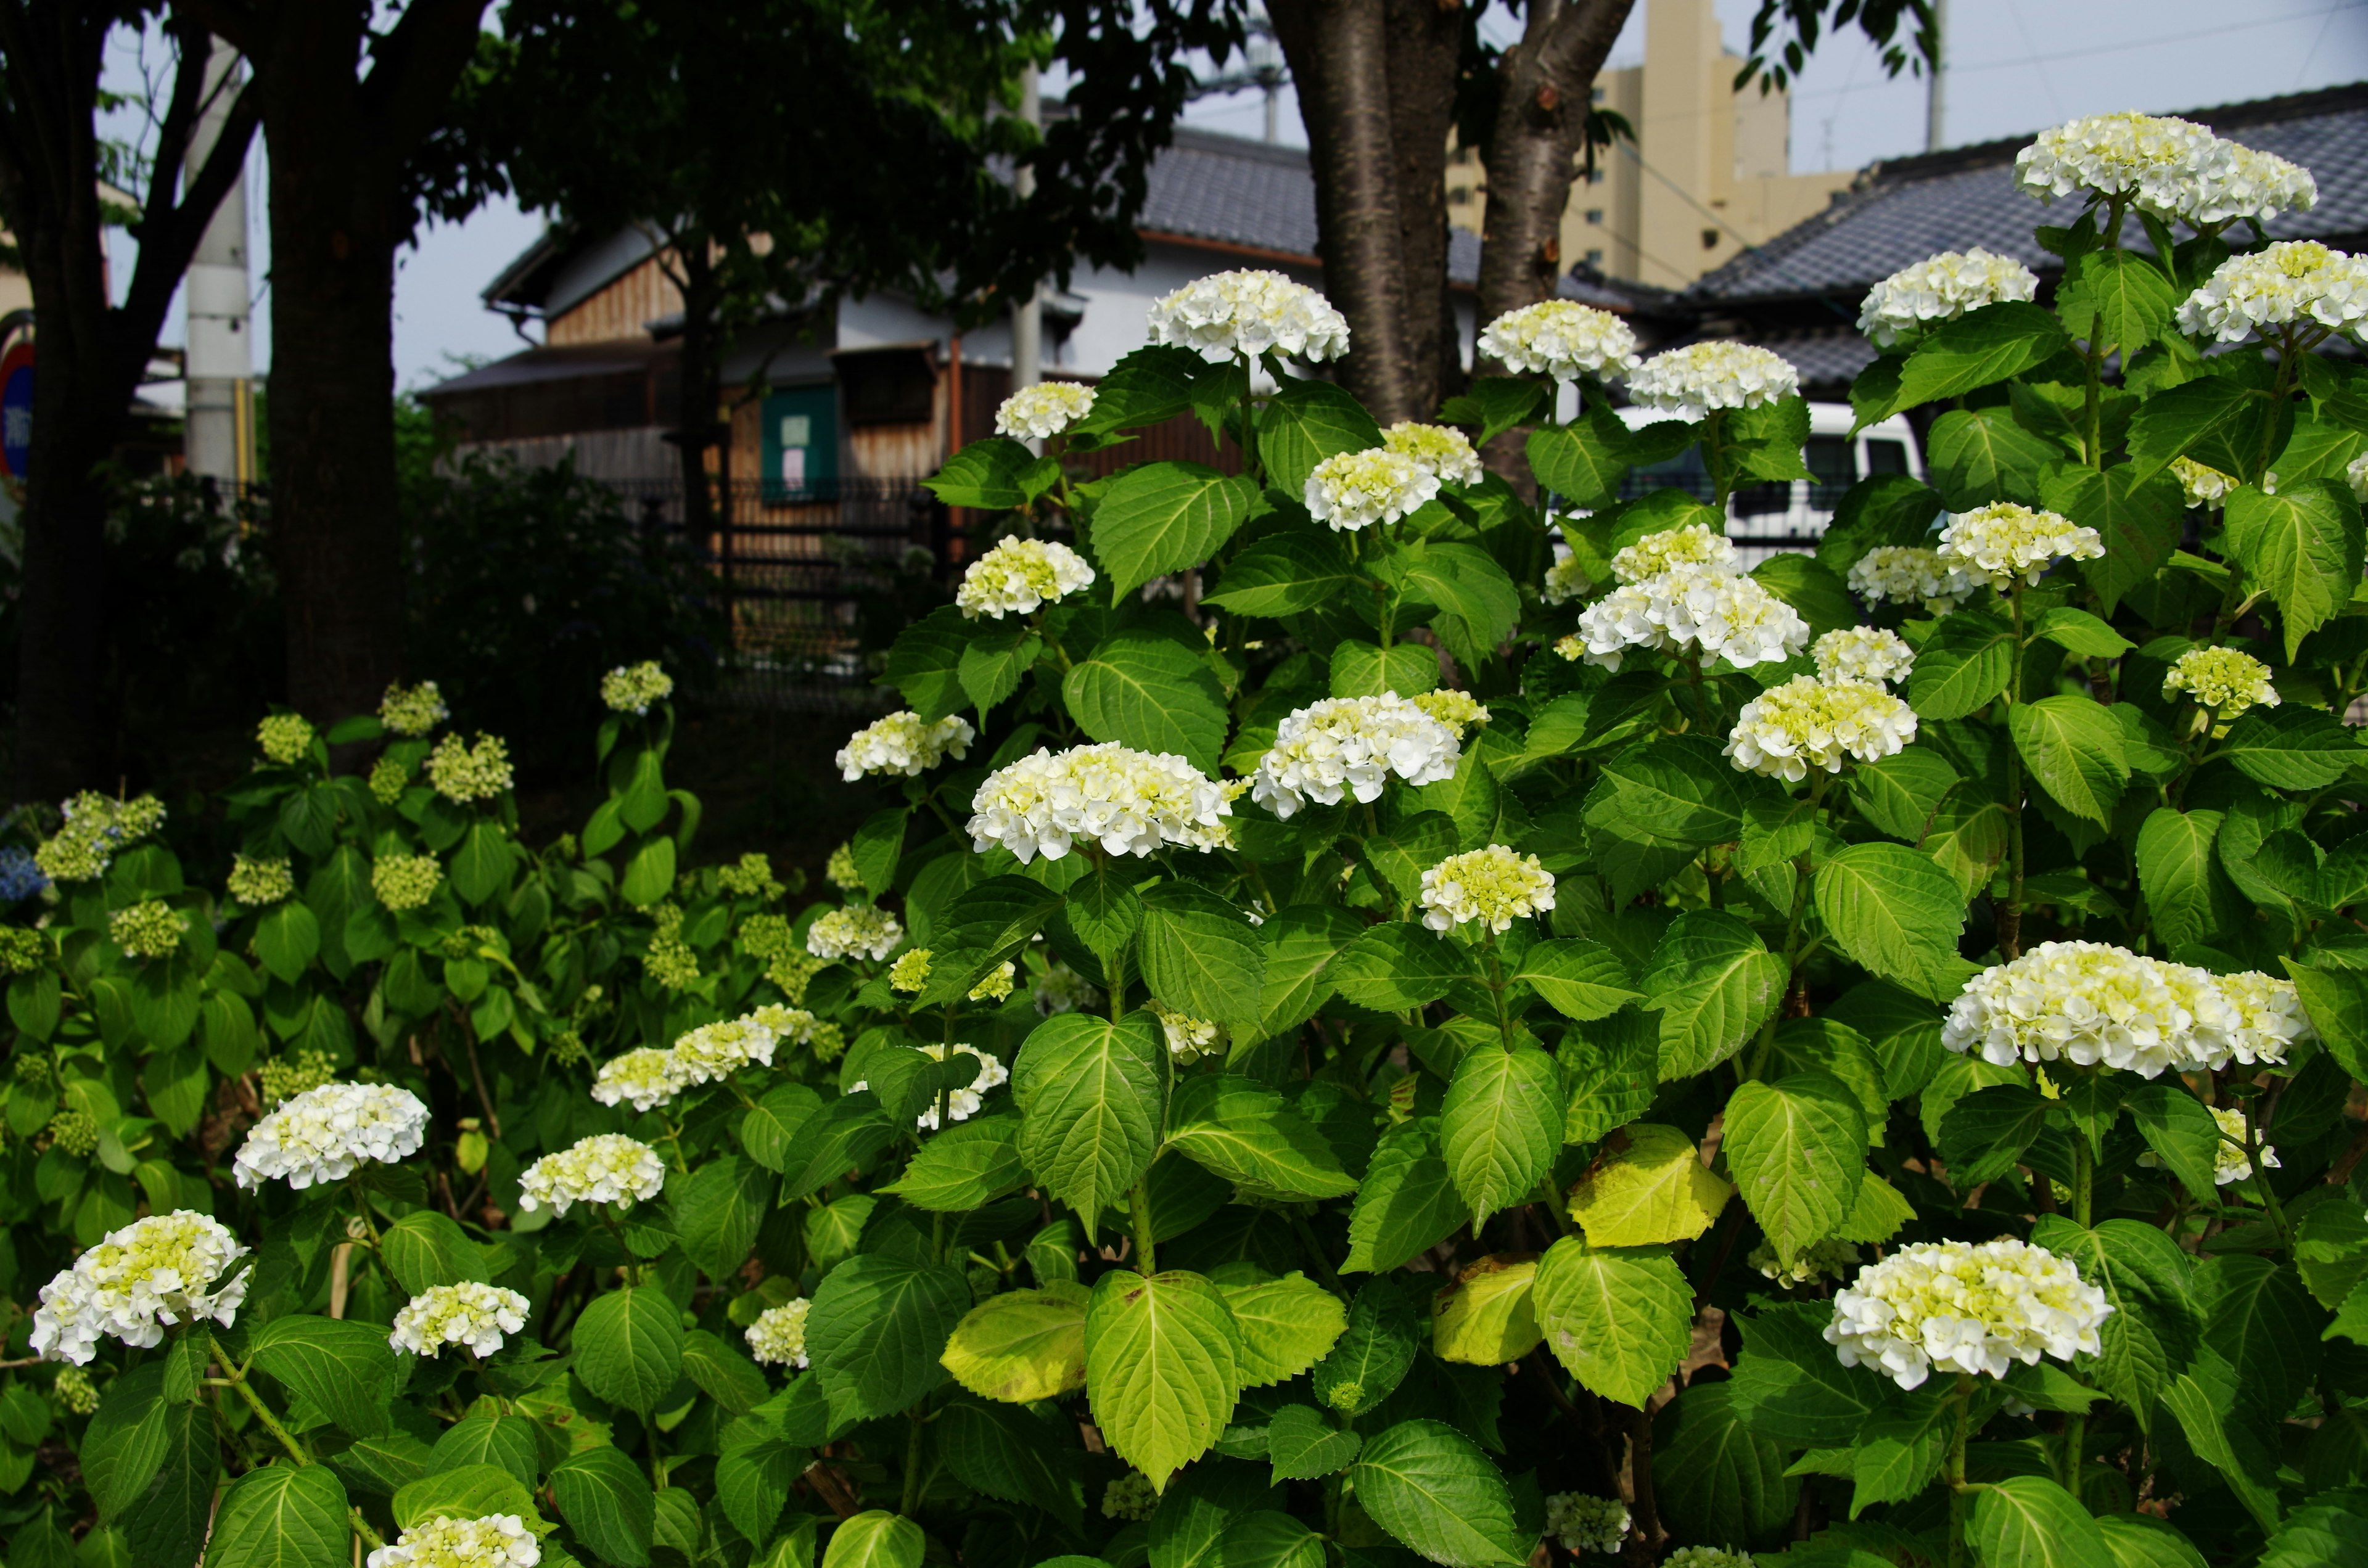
(2229, 1163)
(1690, 608)
(2174, 169)
(2289, 283)
(1863, 652)
(1964, 1307)
(649, 1078)
(1707, 1556)
(321, 1134)
(1063, 990)
(713, 1052)
(138, 1281)
(1129, 801)
(1560, 338)
(1019, 576)
(1188, 1038)
(1709, 378)
(1565, 580)
(463, 773)
(2355, 473)
(2226, 681)
(1693, 545)
(862, 928)
(2269, 1017)
(1909, 574)
(1827, 1259)
(1583, 1524)
(495, 1540)
(778, 1337)
(901, 743)
(1443, 449)
(633, 689)
(2093, 1005)
(2006, 540)
(1943, 288)
(1459, 711)
(1353, 745)
(1492, 884)
(413, 710)
(2203, 485)
(1810, 722)
(1356, 490)
(960, 1104)
(607, 1167)
(1044, 411)
(1234, 315)
(472, 1315)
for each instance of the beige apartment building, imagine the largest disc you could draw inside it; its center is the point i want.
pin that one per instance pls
(1708, 176)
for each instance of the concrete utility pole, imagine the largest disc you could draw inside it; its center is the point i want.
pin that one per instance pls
(217, 440)
(1028, 316)
(1936, 107)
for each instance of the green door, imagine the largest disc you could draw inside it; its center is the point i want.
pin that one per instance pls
(801, 442)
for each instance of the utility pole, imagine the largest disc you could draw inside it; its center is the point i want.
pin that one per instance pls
(218, 432)
(1936, 107)
(1028, 315)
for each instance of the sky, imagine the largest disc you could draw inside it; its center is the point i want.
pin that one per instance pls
(2013, 67)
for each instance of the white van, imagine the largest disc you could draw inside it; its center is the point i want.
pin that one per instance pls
(1766, 519)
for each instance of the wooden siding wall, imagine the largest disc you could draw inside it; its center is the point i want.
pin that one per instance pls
(622, 308)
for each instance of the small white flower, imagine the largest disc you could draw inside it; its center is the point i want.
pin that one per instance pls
(2228, 1161)
(1943, 288)
(2226, 680)
(2289, 283)
(607, 1167)
(1044, 409)
(631, 689)
(1356, 490)
(138, 1281)
(1706, 378)
(778, 1337)
(472, 1315)
(1863, 652)
(321, 1134)
(1492, 884)
(1459, 711)
(1019, 576)
(1565, 580)
(1129, 801)
(1232, 315)
(2091, 1003)
(2355, 473)
(1693, 545)
(2205, 485)
(713, 1052)
(1353, 745)
(1560, 338)
(2270, 1020)
(1999, 542)
(495, 1540)
(649, 1078)
(1827, 1259)
(1063, 990)
(1188, 1038)
(901, 743)
(1443, 449)
(1584, 1524)
(1965, 1307)
(960, 1104)
(2174, 169)
(1693, 609)
(861, 928)
(1909, 574)
(1807, 722)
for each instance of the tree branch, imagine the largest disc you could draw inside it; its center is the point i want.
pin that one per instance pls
(413, 69)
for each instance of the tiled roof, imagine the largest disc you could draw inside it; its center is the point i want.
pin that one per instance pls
(1902, 212)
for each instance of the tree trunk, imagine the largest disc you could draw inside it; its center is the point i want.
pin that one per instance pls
(702, 390)
(1426, 42)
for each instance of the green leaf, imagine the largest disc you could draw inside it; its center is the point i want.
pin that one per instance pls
(1797, 1148)
(2302, 546)
(1148, 386)
(1300, 943)
(1609, 1073)
(1501, 1126)
(1284, 1327)
(1649, 1187)
(1977, 348)
(875, 1538)
(1285, 575)
(1790, 1386)
(877, 1328)
(1008, 1453)
(2260, 1319)
(426, 1248)
(1439, 1493)
(1241, 1129)
(2138, 1540)
(771, 1128)
(2147, 1279)
(1986, 1133)
(847, 1133)
(286, 938)
(1981, 455)
(752, 1478)
(2115, 299)
(1897, 913)
(1583, 463)
(952, 1175)
(1304, 1445)
(1159, 517)
(1498, 403)
(166, 1523)
(1150, 692)
(2186, 892)
(2138, 520)
(2074, 750)
(1089, 1092)
(1303, 423)
(1578, 979)
(1373, 1352)
(629, 1346)
(1397, 965)
(1968, 660)
(487, 1437)
(282, 1517)
(2175, 421)
(925, 664)
(649, 875)
(1880, 509)
(345, 1370)
(1406, 1204)
(1713, 983)
(2083, 634)
(1021, 1345)
(1900, 794)
(985, 475)
(1403, 669)
(1201, 956)
(1620, 1319)
(127, 1441)
(1719, 1480)
(2028, 1521)
(722, 1372)
(1487, 1317)
(718, 1211)
(2178, 1128)
(1162, 1368)
(2292, 748)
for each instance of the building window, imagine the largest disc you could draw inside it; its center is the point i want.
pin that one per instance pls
(1596, 96)
(801, 441)
(1595, 259)
(1710, 239)
(1458, 195)
(1595, 214)
(1595, 176)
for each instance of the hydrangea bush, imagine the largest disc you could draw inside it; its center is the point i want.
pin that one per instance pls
(1376, 1021)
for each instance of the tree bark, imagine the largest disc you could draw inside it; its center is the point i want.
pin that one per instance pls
(702, 382)
(338, 209)
(92, 352)
(1426, 42)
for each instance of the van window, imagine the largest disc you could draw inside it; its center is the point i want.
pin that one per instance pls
(1834, 470)
(1771, 499)
(1686, 472)
(1886, 457)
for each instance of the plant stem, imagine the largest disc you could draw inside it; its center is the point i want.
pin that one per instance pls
(2009, 919)
(910, 1501)
(1138, 1219)
(271, 1424)
(1955, 1470)
(1496, 990)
